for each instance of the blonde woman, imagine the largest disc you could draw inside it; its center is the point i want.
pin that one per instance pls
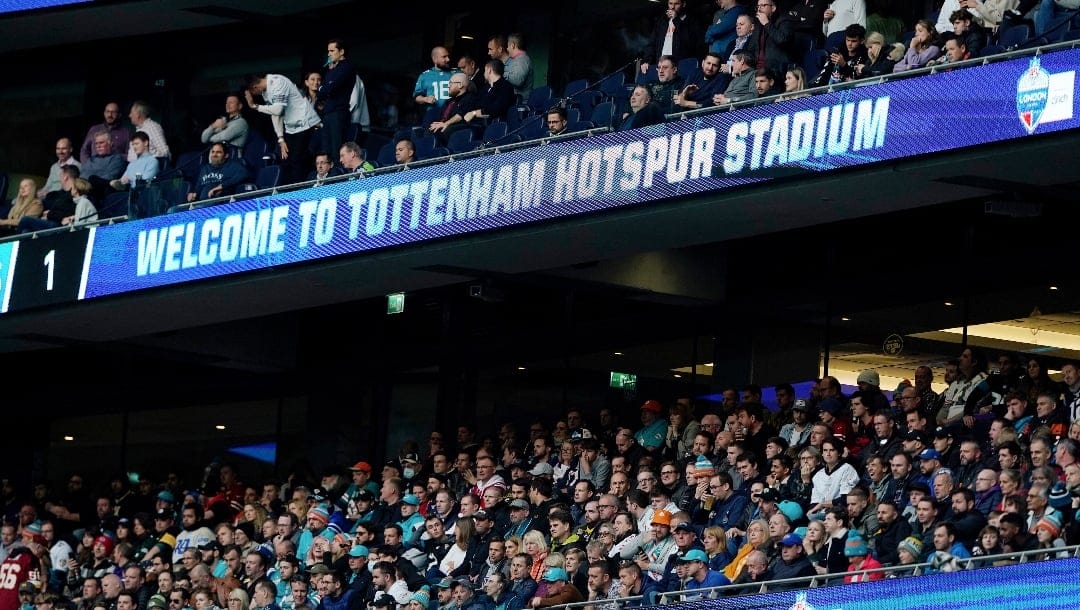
(757, 539)
(881, 61)
(535, 546)
(25, 203)
(814, 540)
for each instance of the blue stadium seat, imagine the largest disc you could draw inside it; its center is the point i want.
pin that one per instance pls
(612, 86)
(991, 49)
(601, 116)
(430, 114)
(575, 86)
(373, 143)
(648, 77)
(540, 99)
(534, 127)
(461, 141)
(687, 66)
(586, 101)
(834, 41)
(188, 164)
(1072, 35)
(440, 151)
(573, 114)
(1015, 35)
(579, 126)
(906, 38)
(813, 62)
(424, 146)
(386, 155)
(495, 132)
(257, 151)
(268, 177)
(516, 115)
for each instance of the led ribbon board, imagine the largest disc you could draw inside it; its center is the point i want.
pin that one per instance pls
(15, 6)
(1036, 585)
(706, 154)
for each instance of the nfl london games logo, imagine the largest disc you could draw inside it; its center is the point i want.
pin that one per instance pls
(1042, 97)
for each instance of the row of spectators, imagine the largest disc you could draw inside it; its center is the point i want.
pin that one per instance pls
(745, 52)
(826, 485)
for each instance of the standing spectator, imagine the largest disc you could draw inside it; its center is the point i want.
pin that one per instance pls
(676, 34)
(230, 128)
(293, 118)
(433, 86)
(119, 135)
(843, 13)
(140, 118)
(337, 86)
(721, 33)
(519, 70)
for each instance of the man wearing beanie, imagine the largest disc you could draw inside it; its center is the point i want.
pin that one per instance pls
(869, 383)
(858, 553)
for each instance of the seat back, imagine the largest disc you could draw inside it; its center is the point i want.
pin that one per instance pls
(460, 141)
(268, 177)
(575, 86)
(1015, 35)
(647, 77)
(495, 131)
(687, 66)
(539, 99)
(612, 86)
(601, 115)
(579, 126)
(424, 146)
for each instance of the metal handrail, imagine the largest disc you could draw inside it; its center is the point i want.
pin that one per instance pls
(71, 228)
(915, 569)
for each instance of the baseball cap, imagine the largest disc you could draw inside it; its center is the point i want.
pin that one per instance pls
(361, 466)
(930, 454)
(463, 581)
(359, 550)
(318, 494)
(445, 583)
(693, 555)
(157, 601)
(555, 575)
(411, 457)
(942, 432)
(319, 568)
(384, 601)
(163, 514)
(916, 435)
(661, 517)
(364, 496)
(801, 405)
(830, 405)
(482, 514)
(166, 496)
(410, 499)
(685, 527)
(652, 405)
(791, 540)
(519, 504)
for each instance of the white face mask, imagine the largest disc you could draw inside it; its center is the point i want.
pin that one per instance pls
(408, 473)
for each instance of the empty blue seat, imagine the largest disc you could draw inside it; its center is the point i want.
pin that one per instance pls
(579, 126)
(386, 155)
(1015, 35)
(495, 132)
(601, 116)
(687, 66)
(649, 76)
(424, 146)
(575, 86)
(461, 141)
(540, 99)
(612, 86)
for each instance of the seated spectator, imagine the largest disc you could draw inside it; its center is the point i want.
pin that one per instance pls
(219, 176)
(230, 128)
(63, 158)
(764, 86)
(104, 165)
(858, 554)
(955, 51)
(518, 67)
(119, 134)
(404, 151)
(844, 62)
(351, 158)
(25, 203)
(324, 167)
(922, 48)
(794, 83)
(643, 111)
(879, 59)
(699, 91)
(669, 83)
(452, 115)
(741, 86)
(556, 120)
(698, 574)
(84, 209)
(965, 28)
(140, 118)
(499, 97)
(144, 167)
(57, 205)
(989, 12)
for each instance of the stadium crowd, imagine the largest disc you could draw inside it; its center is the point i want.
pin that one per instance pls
(587, 508)
(317, 127)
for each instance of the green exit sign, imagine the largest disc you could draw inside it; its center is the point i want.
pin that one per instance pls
(395, 303)
(623, 381)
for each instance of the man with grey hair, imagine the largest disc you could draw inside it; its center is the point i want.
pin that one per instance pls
(140, 118)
